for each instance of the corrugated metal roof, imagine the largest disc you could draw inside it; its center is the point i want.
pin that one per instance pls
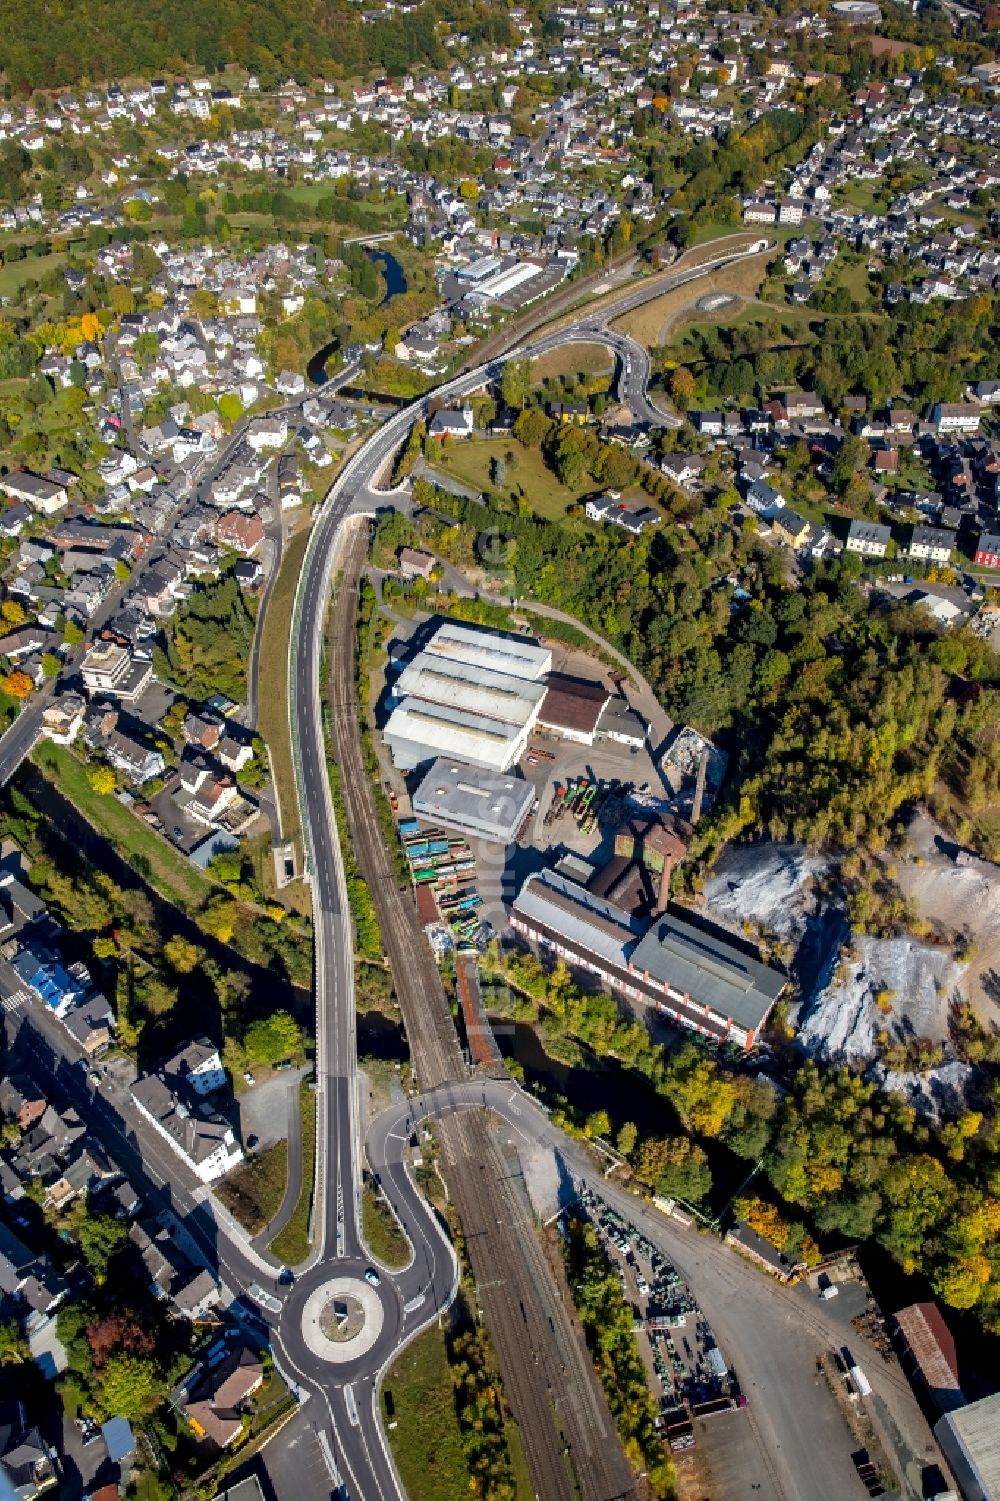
(930, 1342)
(712, 971)
(978, 1429)
(519, 657)
(418, 731)
(477, 689)
(585, 919)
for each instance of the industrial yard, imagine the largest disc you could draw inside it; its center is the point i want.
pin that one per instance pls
(522, 779)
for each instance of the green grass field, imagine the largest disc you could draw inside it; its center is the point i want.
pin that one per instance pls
(173, 876)
(469, 462)
(426, 1441)
(382, 1234)
(253, 1193)
(292, 1245)
(33, 268)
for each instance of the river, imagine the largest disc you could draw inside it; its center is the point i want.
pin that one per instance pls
(395, 285)
(605, 1084)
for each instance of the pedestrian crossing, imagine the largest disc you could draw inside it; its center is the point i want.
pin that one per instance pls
(14, 1001)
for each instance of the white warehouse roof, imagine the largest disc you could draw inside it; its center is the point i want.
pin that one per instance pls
(418, 731)
(518, 657)
(463, 686)
(506, 281)
(473, 800)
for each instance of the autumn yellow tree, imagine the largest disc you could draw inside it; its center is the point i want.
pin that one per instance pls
(17, 684)
(102, 780)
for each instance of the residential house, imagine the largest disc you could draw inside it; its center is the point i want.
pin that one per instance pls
(682, 468)
(234, 754)
(196, 1132)
(25, 642)
(42, 495)
(987, 553)
(91, 1023)
(414, 564)
(213, 1397)
(931, 544)
(39, 969)
(249, 573)
(451, 423)
(29, 1278)
(290, 383)
(244, 534)
(956, 416)
(801, 405)
(28, 1466)
(21, 1101)
(791, 528)
(13, 520)
(63, 716)
(202, 730)
(169, 1275)
(267, 432)
(138, 762)
(197, 1067)
(868, 538)
(19, 906)
(114, 670)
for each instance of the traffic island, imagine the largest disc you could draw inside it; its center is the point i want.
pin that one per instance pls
(342, 1319)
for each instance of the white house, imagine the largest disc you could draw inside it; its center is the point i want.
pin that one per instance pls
(868, 538)
(199, 1066)
(457, 423)
(200, 1136)
(41, 494)
(956, 416)
(931, 544)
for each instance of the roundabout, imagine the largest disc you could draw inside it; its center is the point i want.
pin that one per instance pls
(342, 1319)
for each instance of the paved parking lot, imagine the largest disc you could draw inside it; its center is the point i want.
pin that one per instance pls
(294, 1465)
(264, 1107)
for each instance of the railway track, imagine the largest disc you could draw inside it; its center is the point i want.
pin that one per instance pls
(569, 1438)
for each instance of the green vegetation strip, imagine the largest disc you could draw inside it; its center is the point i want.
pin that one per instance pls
(272, 685)
(450, 1440)
(253, 1193)
(292, 1244)
(381, 1231)
(169, 873)
(607, 1322)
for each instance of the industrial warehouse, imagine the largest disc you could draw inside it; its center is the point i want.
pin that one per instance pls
(694, 973)
(465, 706)
(474, 802)
(471, 694)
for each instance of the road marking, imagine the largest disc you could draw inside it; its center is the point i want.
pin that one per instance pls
(415, 1303)
(327, 1452)
(12, 1002)
(352, 1406)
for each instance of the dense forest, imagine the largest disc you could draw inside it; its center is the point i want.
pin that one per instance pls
(95, 39)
